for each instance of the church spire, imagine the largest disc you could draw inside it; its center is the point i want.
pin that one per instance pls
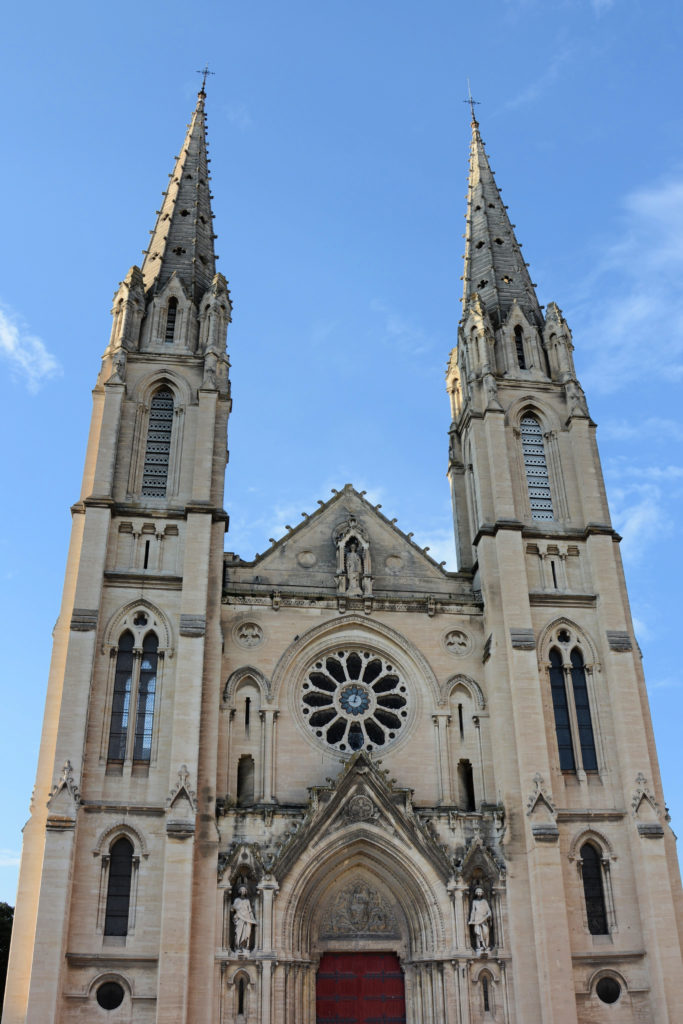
(494, 265)
(182, 239)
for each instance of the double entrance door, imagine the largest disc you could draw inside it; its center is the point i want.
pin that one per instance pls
(360, 988)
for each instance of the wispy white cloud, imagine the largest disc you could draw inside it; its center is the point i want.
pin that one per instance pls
(28, 358)
(400, 333)
(238, 114)
(630, 313)
(665, 683)
(9, 858)
(653, 427)
(441, 545)
(602, 6)
(540, 85)
(640, 515)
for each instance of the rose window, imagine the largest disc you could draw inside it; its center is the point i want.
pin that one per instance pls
(353, 700)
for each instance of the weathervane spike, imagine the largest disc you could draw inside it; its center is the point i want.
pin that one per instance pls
(472, 103)
(204, 72)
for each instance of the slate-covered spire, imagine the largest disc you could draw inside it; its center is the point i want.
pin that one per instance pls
(494, 265)
(182, 240)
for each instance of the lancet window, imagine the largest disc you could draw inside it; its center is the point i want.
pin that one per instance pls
(135, 680)
(536, 467)
(593, 890)
(571, 706)
(158, 447)
(519, 347)
(118, 887)
(171, 316)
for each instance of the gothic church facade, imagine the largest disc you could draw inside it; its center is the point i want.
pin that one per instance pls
(339, 783)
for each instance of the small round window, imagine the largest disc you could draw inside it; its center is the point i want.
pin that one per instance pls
(354, 700)
(608, 990)
(110, 995)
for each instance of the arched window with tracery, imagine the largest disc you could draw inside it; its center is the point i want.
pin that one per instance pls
(568, 675)
(158, 446)
(119, 887)
(135, 685)
(536, 468)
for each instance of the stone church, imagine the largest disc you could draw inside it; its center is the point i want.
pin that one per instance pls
(339, 783)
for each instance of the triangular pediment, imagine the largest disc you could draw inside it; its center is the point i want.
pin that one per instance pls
(309, 557)
(361, 799)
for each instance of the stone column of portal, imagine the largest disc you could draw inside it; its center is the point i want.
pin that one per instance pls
(441, 720)
(268, 888)
(177, 887)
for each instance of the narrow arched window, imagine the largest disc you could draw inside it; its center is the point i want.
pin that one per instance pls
(593, 890)
(157, 450)
(120, 712)
(519, 347)
(536, 469)
(171, 315)
(563, 728)
(144, 714)
(583, 712)
(245, 780)
(118, 887)
(241, 989)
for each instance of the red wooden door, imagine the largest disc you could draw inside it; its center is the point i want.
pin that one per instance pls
(360, 988)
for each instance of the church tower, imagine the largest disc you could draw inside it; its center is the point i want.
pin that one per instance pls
(338, 782)
(574, 746)
(138, 636)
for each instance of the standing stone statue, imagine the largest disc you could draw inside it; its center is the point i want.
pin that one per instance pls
(243, 918)
(480, 919)
(354, 569)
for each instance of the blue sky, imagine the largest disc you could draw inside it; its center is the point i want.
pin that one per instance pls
(339, 148)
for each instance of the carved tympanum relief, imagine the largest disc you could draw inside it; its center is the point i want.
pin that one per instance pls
(359, 910)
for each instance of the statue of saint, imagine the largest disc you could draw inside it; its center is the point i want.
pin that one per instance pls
(354, 570)
(480, 919)
(243, 918)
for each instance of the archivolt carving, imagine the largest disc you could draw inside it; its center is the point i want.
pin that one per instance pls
(243, 673)
(160, 624)
(475, 689)
(585, 835)
(142, 391)
(351, 629)
(359, 910)
(545, 640)
(530, 403)
(121, 828)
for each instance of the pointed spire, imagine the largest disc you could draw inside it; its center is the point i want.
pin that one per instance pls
(494, 265)
(182, 239)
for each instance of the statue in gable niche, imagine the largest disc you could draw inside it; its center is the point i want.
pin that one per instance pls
(480, 920)
(353, 559)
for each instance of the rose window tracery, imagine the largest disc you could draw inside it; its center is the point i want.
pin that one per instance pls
(353, 699)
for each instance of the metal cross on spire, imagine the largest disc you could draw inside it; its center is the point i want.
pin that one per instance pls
(473, 103)
(204, 72)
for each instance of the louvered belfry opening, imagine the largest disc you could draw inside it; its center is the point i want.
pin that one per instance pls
(155, 474)
(536, 469)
